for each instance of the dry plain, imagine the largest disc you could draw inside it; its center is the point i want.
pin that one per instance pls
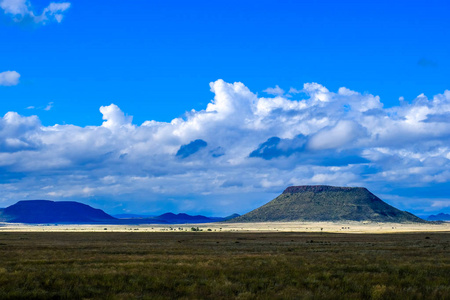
(226, 261)
(332, 227)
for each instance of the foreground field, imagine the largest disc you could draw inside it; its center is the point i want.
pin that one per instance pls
(224, 265)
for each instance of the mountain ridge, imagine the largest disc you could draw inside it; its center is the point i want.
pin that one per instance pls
(439, 217)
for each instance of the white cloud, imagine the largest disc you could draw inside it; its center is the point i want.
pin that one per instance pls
(294, 91)
(15, 7)
(274, 91)
(114, 117)
(343, 138)
(49, 106)
(317, 91)
(339, 178)
(343, 134)
(17, 133)
(9, 78)
(441, 203)
(22, 9)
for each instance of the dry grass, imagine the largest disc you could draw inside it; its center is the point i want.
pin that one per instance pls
(224, 265)
(337, 227)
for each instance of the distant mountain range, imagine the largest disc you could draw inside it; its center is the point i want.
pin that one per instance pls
(439, 217)
(297, 203)
(171, 218)
(327, 203)
(70, 212)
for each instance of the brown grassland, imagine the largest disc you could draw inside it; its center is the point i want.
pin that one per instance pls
(224, 265)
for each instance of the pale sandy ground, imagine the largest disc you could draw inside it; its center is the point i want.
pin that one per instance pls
(345, 227)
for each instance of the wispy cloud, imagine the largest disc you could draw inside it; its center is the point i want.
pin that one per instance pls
(21, 10)
(9, 78)
(238, 152)
(294, 91)
(274, 91)
(49, 106)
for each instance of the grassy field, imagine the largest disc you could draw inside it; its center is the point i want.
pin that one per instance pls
(224, 265)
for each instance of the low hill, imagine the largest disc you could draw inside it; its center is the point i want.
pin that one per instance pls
(327, 203)
(171, 218)
(181, 218)
(45, 211)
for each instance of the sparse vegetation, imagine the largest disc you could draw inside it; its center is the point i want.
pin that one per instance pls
(224, 265)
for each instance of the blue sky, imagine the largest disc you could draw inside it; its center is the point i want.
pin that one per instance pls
(155, 60)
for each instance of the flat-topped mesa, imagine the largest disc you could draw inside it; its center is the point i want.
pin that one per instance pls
(325, 203)
(46, 211)
(318, 189)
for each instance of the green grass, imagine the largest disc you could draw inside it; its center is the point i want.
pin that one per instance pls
(212, 265)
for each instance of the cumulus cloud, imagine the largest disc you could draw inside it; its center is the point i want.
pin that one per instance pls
(9, 78)
(16, 134)
(234, 155)
(22, 9)
(114, 117)
(345, 133)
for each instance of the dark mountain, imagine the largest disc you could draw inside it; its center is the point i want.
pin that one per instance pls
(69, 212)
(327, 203)
(45, 211)
(439, 217)
(181, 218)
